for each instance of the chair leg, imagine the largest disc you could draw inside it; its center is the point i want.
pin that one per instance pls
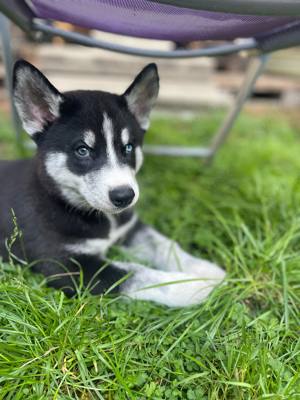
(254, 70)
(8, 63)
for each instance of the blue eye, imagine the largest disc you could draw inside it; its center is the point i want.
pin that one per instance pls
(129, 148)
(83, 152)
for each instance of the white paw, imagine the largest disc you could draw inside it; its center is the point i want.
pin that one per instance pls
(207, 275)
(175, 289)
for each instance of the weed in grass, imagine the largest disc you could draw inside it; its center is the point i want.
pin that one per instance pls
(242, 343)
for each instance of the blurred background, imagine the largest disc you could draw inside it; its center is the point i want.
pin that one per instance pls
(187, 85)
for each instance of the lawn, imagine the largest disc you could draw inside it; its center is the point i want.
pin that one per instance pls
(243, 212)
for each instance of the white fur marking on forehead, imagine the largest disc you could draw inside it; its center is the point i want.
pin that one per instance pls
(89, 138)
(138, 158)
(125, 136)
(108, 131)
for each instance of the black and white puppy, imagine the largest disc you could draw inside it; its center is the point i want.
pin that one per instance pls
(75, 198)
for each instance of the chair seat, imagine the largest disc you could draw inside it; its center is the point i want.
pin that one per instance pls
(144, 19)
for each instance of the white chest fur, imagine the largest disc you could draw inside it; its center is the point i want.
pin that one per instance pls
(100, 246)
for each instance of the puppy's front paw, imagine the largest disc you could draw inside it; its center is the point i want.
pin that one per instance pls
(205, 268)
(207, 275)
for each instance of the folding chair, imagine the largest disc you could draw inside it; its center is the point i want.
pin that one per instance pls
(266, 25)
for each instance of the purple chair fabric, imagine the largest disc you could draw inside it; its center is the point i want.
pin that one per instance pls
(144, 19)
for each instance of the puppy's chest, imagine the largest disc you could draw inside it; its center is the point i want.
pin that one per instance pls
(115, 230)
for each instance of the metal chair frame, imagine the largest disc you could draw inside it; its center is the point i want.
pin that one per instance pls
(275, 8)
(18, 12)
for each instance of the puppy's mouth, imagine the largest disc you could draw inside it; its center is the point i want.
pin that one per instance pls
(113, 202)
(110, 208)
(117, 210)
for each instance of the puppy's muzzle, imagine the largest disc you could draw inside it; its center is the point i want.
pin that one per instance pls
(122, 196)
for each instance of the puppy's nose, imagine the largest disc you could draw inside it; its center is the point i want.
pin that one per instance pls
(122, 196)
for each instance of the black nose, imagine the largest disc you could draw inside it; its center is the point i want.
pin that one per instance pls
(122, 196)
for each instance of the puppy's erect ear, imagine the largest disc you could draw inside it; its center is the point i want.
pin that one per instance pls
(37, 101)
(142, 93)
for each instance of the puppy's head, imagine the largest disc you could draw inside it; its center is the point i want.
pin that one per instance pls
(89, 142)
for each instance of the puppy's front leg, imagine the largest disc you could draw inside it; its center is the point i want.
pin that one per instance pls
(101, 276)
(190, 290)
(145, 243)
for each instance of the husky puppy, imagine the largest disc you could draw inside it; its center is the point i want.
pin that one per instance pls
(75, 198)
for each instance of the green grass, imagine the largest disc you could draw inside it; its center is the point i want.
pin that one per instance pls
(242, 343)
